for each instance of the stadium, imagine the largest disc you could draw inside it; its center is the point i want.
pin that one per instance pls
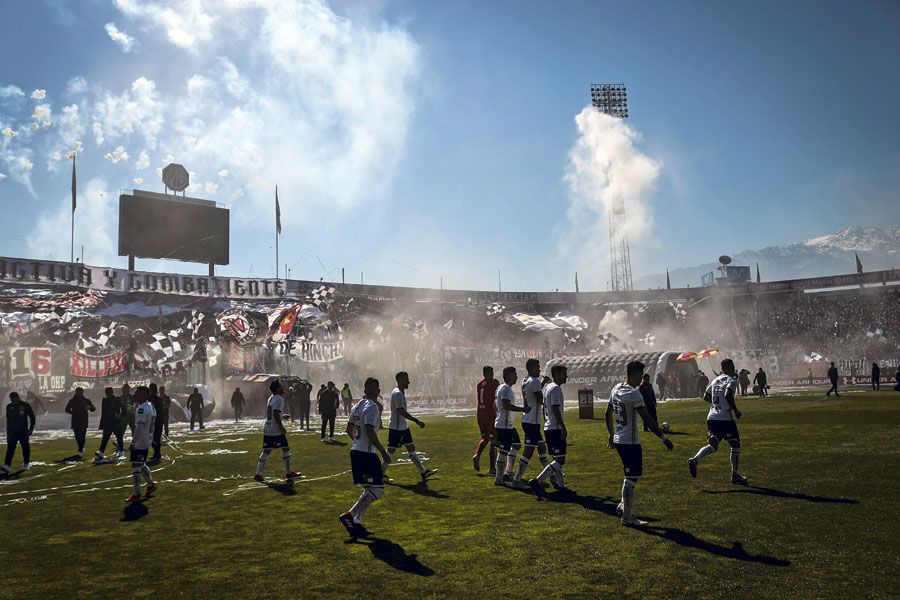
(185, 417)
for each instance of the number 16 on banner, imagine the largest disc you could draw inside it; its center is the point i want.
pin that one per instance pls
(29, 362)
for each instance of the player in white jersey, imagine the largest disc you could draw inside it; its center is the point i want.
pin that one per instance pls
(508, 442)
(533, 420)
(398, 429)
(625, 404)
(274, 434)
(141, 439)
(555, 430)
(720, 423)
(368, 471)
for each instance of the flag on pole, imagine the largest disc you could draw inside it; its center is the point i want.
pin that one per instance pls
(277, 213)
(858, 264)
(757, 274)
(74, 186)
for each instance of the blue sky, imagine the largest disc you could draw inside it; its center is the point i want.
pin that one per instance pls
(416, 140)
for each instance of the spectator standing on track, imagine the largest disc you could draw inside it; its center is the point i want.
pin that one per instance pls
(876, 376)
(78, 406)
(157, 431)
(702, 382)
(290, 397)
(328, 407)
(809, 375)
(165, 402)
(661, 384)
(897, 379)
(128, 402)
(743, 382)
(195, 404)
(237, 404)
(761, 379)
(833, 377)
(19, 427)
(304, 389)
(112, 415)
(649, 396)
(346, 398)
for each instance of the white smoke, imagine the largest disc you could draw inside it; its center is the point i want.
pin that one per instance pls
(605, 168)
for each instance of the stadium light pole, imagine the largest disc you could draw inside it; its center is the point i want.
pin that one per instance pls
(612, 99)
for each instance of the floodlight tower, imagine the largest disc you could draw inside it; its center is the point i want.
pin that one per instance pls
(612, 99)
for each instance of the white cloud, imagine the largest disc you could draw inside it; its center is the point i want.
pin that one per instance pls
(97, 128)
(93, 227)
(8, 132)
(41, 112)
(143, 160)
(39, 94)
(77, 85)
(2, 176)
(210, 187)
(138, 180)
(606, 172)
(223, 173)
(168, 159)
(117, 155)
(136, 110)
(125, 41)
(11, 91)
(35, 126)
(186, 22)
(24, 164)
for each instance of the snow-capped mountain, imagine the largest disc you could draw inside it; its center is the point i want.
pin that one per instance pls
(878, 248)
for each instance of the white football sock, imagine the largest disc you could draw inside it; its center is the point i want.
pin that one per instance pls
(262, 461)
(286, 455)
(735, 460)
(414, 457)
(548, 470)
(501, 465)
(145, 470)
(511, 460)
(362, 505)
(704, 451)
(628, 494)
(520, 470)
(136, 480)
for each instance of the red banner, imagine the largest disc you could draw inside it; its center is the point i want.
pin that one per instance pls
(98, 366)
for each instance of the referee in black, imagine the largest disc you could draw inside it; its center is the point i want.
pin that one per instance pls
(19, 427)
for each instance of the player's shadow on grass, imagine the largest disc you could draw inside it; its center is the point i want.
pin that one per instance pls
(420, 488)
(11, 475)
(606, 505)
(285, 488)
(764, 491)
(69, 459)
(394, 555)
(134, 511)
(336, 443)
(689, 540)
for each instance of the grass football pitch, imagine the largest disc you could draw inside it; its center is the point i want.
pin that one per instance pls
(819, 519)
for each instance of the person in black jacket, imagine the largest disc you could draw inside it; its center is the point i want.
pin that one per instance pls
(19, 427)
(329, 400)
(762, 380)
(164, 403)
(876, 376)
(237, 403)
(195, 404)
(112, 416)
(156, 401)
(78, 406)
(833, 377)
(304, 389)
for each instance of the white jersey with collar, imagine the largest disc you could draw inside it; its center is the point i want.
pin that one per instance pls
(504, 418)
(625, 401)
(398, 401)
(553, 396)
(366, 412)
(719, 409)
(144, 422)
(533, 397)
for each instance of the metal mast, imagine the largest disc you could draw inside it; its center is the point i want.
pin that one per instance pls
(612, 99)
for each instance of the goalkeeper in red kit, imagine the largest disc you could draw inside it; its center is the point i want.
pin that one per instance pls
(486, 391)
